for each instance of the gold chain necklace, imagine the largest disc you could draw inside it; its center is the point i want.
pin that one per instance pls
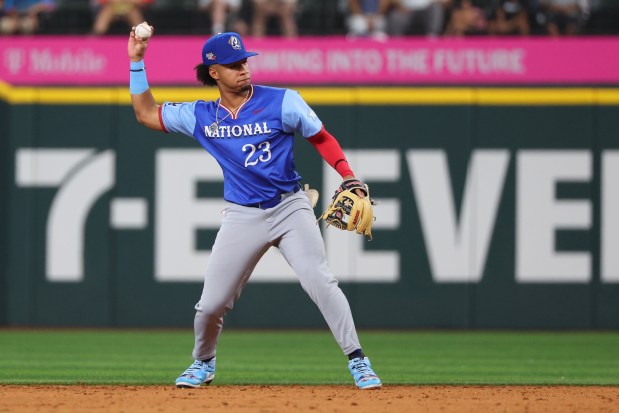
(215, 125)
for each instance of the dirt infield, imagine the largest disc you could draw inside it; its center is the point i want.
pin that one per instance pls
(267, 399)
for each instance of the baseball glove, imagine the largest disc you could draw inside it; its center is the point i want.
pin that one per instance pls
(350, 212)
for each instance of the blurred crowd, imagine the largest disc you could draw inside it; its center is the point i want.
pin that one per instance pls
(379, 19)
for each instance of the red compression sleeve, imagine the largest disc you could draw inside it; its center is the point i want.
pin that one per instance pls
(329, 148)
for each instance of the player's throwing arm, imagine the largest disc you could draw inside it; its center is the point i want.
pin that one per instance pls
(144, 105)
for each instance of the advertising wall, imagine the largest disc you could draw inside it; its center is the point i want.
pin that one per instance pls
(497, 205)
(498, 208)
(66, 60)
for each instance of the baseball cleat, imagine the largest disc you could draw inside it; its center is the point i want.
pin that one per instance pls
(200, 372)
(362, 372)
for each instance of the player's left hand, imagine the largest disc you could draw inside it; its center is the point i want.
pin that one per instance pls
(359, 191)
(350, 211)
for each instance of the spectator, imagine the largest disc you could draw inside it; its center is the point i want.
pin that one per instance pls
(408, 15)
(109, 11)
(565, 16)
(23, 16)
(284, 9)
(467, 18)
(224, 15)
(367, 18)
(510, 17)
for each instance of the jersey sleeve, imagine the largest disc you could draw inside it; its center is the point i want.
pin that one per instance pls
(179, 117)
(297, 116)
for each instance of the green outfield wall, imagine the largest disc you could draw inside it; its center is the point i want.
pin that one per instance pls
(499, 208)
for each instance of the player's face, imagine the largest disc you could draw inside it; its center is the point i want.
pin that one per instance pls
(234, 76)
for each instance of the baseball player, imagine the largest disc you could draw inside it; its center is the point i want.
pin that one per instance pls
(249, 130)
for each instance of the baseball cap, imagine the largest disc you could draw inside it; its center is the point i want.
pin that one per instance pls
(224, 48)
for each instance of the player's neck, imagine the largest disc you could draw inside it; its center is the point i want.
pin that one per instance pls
(233, 99)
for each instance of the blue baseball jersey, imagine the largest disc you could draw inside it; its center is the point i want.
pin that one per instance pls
(253, 146)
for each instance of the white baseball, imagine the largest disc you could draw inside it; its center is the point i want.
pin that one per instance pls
(143, 30)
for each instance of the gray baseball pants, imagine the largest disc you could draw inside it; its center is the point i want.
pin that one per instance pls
(244, 236)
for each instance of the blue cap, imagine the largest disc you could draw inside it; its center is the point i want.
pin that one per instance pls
(224, 48)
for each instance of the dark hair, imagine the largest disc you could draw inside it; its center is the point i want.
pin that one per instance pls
(203, 75)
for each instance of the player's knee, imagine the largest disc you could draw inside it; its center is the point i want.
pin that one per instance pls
(322, 287)
(211, 309)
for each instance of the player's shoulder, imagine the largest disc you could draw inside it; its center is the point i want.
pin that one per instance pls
(272, 92)
(190, 104)
(269, 90)
(189, 108)
(206, 104)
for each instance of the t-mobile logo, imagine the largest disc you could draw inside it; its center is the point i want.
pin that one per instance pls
(14, 60)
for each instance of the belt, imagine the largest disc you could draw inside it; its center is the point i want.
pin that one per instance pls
(275, 201)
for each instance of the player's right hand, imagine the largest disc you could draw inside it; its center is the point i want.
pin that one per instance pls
(136, 47)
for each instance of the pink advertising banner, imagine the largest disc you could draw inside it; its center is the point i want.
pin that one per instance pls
(321, 61)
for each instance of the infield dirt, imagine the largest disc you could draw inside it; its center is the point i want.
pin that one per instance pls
(130, 399)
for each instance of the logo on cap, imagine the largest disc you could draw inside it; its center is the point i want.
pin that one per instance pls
(224, 48)
(234, 42)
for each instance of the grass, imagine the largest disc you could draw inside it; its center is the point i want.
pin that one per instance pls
(310, 357)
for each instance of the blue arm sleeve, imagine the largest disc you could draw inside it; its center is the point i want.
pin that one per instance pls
(297, 116)
(179, 117)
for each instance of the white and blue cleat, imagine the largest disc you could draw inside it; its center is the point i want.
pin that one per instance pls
(200, 372)
(362, 372)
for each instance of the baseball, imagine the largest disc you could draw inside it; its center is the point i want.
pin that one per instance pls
(143, 30)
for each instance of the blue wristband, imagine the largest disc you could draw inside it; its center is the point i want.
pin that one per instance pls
(137, 78)
(136, 66)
